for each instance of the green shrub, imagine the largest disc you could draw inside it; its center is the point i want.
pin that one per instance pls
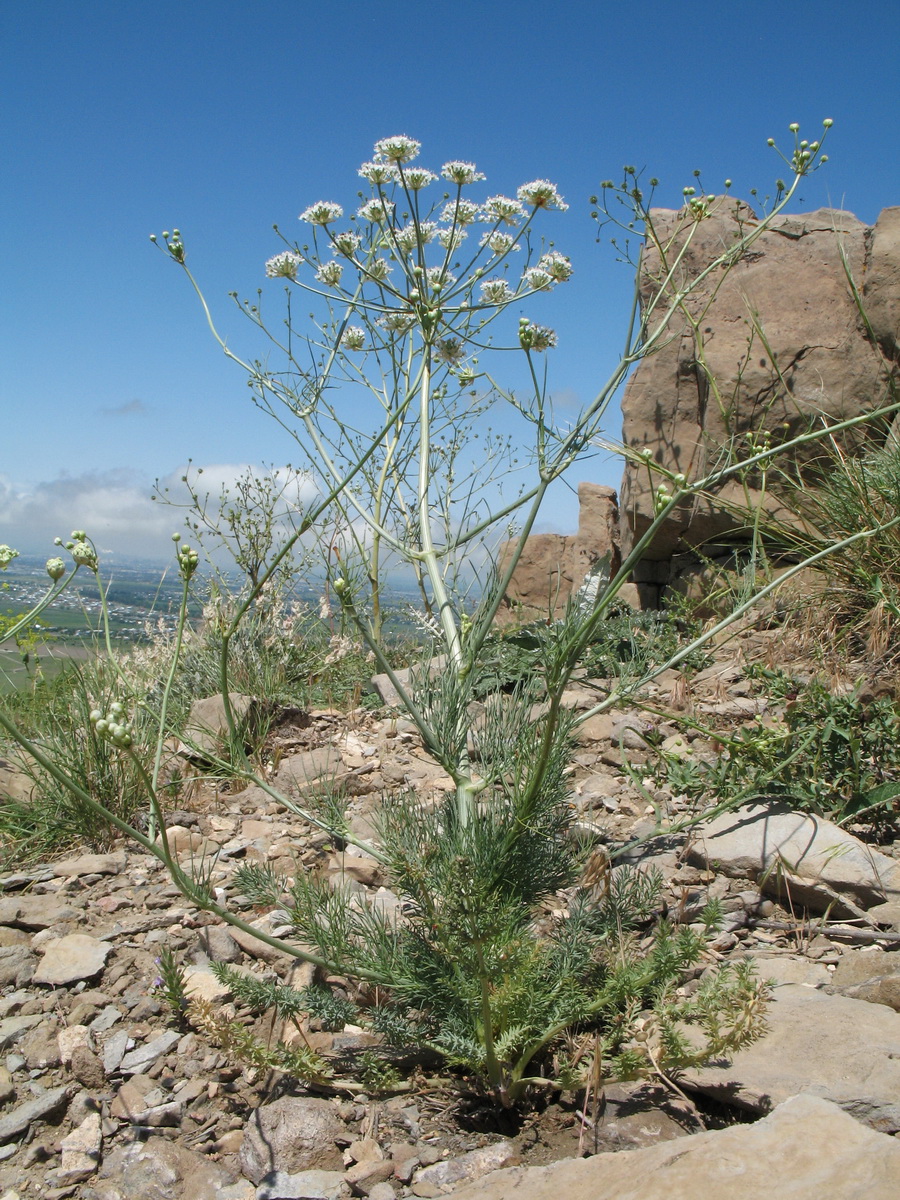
(834, 755)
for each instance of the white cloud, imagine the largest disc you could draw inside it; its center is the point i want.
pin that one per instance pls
(115, 507)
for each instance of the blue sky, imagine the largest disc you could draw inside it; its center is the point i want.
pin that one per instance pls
(225, 117)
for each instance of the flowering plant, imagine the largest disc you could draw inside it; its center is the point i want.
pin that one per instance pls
(409, 305)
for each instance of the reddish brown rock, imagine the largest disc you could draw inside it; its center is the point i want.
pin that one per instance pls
(790, 292)
(552, 565)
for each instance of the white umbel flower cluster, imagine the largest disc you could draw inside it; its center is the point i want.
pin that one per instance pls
(284, 265)
(323, 212)
(541, 193)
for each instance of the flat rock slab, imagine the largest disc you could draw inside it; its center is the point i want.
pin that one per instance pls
(72, 958)
(806, 1148)
(13, 1028)
(16, 1122)
(846, 1051)
(795, 854)
(35, 912)
(90, 864)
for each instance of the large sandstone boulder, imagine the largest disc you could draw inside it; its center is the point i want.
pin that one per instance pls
(807, 1147)
(798, 857)
(843, 1050)
(784, 341)
(553, 565)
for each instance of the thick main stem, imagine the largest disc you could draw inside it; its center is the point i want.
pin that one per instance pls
(466, 788)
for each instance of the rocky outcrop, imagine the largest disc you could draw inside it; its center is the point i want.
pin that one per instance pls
(783, 346)
(553, 565)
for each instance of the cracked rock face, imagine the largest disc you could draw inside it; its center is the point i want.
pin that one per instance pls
(790, 294)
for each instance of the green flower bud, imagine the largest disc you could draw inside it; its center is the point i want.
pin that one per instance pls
(56, 568)
(828, 122)
(83, 554)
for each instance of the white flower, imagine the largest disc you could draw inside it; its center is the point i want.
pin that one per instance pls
(541, 193)
(460, 212)
(408, 239)
(461, 172)
(556, 265)
(538, 279)
(354, 338)
(284, 265)
(496, 291)
(346, 243)
(399, 149)
(451, 238)
(437, 277)
(501, 208)
(450, 350)
(378, 269)
(500, 243)
(396, 322)
(535, 337)
(418, 177)
(323, 212)
(376, 211)
(330, 274)
(378, 172)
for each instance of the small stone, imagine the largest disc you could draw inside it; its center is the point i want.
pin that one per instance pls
(145, 1108)
(436, 1179)
(146, 1055)
(363, 1176)
(305, 1185)
(71, 959)
(80, 1152)
(106, 1019)
(219, 945)
(382, 1191)
(204, 985)
(114, 1051)
(40, 1047)
(87, 1068)
(17, 964)
(69, 1038)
